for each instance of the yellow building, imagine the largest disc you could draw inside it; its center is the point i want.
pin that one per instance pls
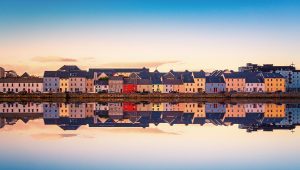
(64, 85)
(157, 107)
(144, 107)
(199, 81)
(274, 82)
(64, 110)
(197, 108)
(144, 85)
(274, 110)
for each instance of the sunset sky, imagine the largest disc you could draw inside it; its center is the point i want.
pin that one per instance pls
(177, 34)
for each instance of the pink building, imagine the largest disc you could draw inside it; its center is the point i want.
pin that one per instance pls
(235, 82)
(254, 84)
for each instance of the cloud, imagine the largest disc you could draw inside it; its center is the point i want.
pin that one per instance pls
(53, 59)
(50, 136)
(150, 64)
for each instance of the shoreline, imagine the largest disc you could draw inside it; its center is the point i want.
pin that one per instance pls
(153, 97)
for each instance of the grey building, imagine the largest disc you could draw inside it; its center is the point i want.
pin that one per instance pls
(115, 84)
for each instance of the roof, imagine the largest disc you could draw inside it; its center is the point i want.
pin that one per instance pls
(78, 74)
(144, 82)
(25, 75)
(144, 74)
(115, 78)
(172, 81)
(271, 75)
(129, 81)
(186, 76)
(214, 79)
(200, 74)
(69, 68)
(21, 80)
(115, 70)
(234, 75)
(253, 78)
(51, 74)
(156, 77)
(101, 82)
(68, 74)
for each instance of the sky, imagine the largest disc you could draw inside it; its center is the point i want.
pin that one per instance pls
(179, 34)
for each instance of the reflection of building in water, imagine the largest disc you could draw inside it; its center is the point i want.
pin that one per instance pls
(10, 113)
(292, 116)
(215, 113)
(143, 106)
(73, 110)
(70, 116)
(274, 113)
(21, 108)
(51, 110)
(101, 106)
(254, 108)
(235, 113)
(129, 107)
(157, 107)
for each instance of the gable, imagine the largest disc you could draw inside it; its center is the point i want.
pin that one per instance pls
(169, 75)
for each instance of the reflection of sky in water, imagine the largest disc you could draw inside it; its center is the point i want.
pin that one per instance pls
(162, 147)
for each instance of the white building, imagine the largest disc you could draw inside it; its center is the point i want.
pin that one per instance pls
(101, 86)
(19, 84)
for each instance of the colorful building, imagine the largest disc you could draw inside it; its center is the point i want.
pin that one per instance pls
(129, 86)
(274, 82)
(115, 84)
(144, 85)
(156, 79)
(214, 84)
(200, 80)
(235, 81)
(101, 86)
(254, 83)
(292, 79)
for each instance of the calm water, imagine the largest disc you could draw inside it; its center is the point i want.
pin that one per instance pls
(149, 136)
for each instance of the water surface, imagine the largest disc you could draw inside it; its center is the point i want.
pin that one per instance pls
(146, 135)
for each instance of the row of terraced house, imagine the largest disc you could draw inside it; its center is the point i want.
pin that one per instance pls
(72, 79)
(142, 80)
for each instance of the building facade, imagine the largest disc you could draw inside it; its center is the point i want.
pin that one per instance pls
(115, 84)
(274, 82)
(200, 80)
(214, 84)
(292, 79)
(101, 86)
(21, 84)
(235, 82)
